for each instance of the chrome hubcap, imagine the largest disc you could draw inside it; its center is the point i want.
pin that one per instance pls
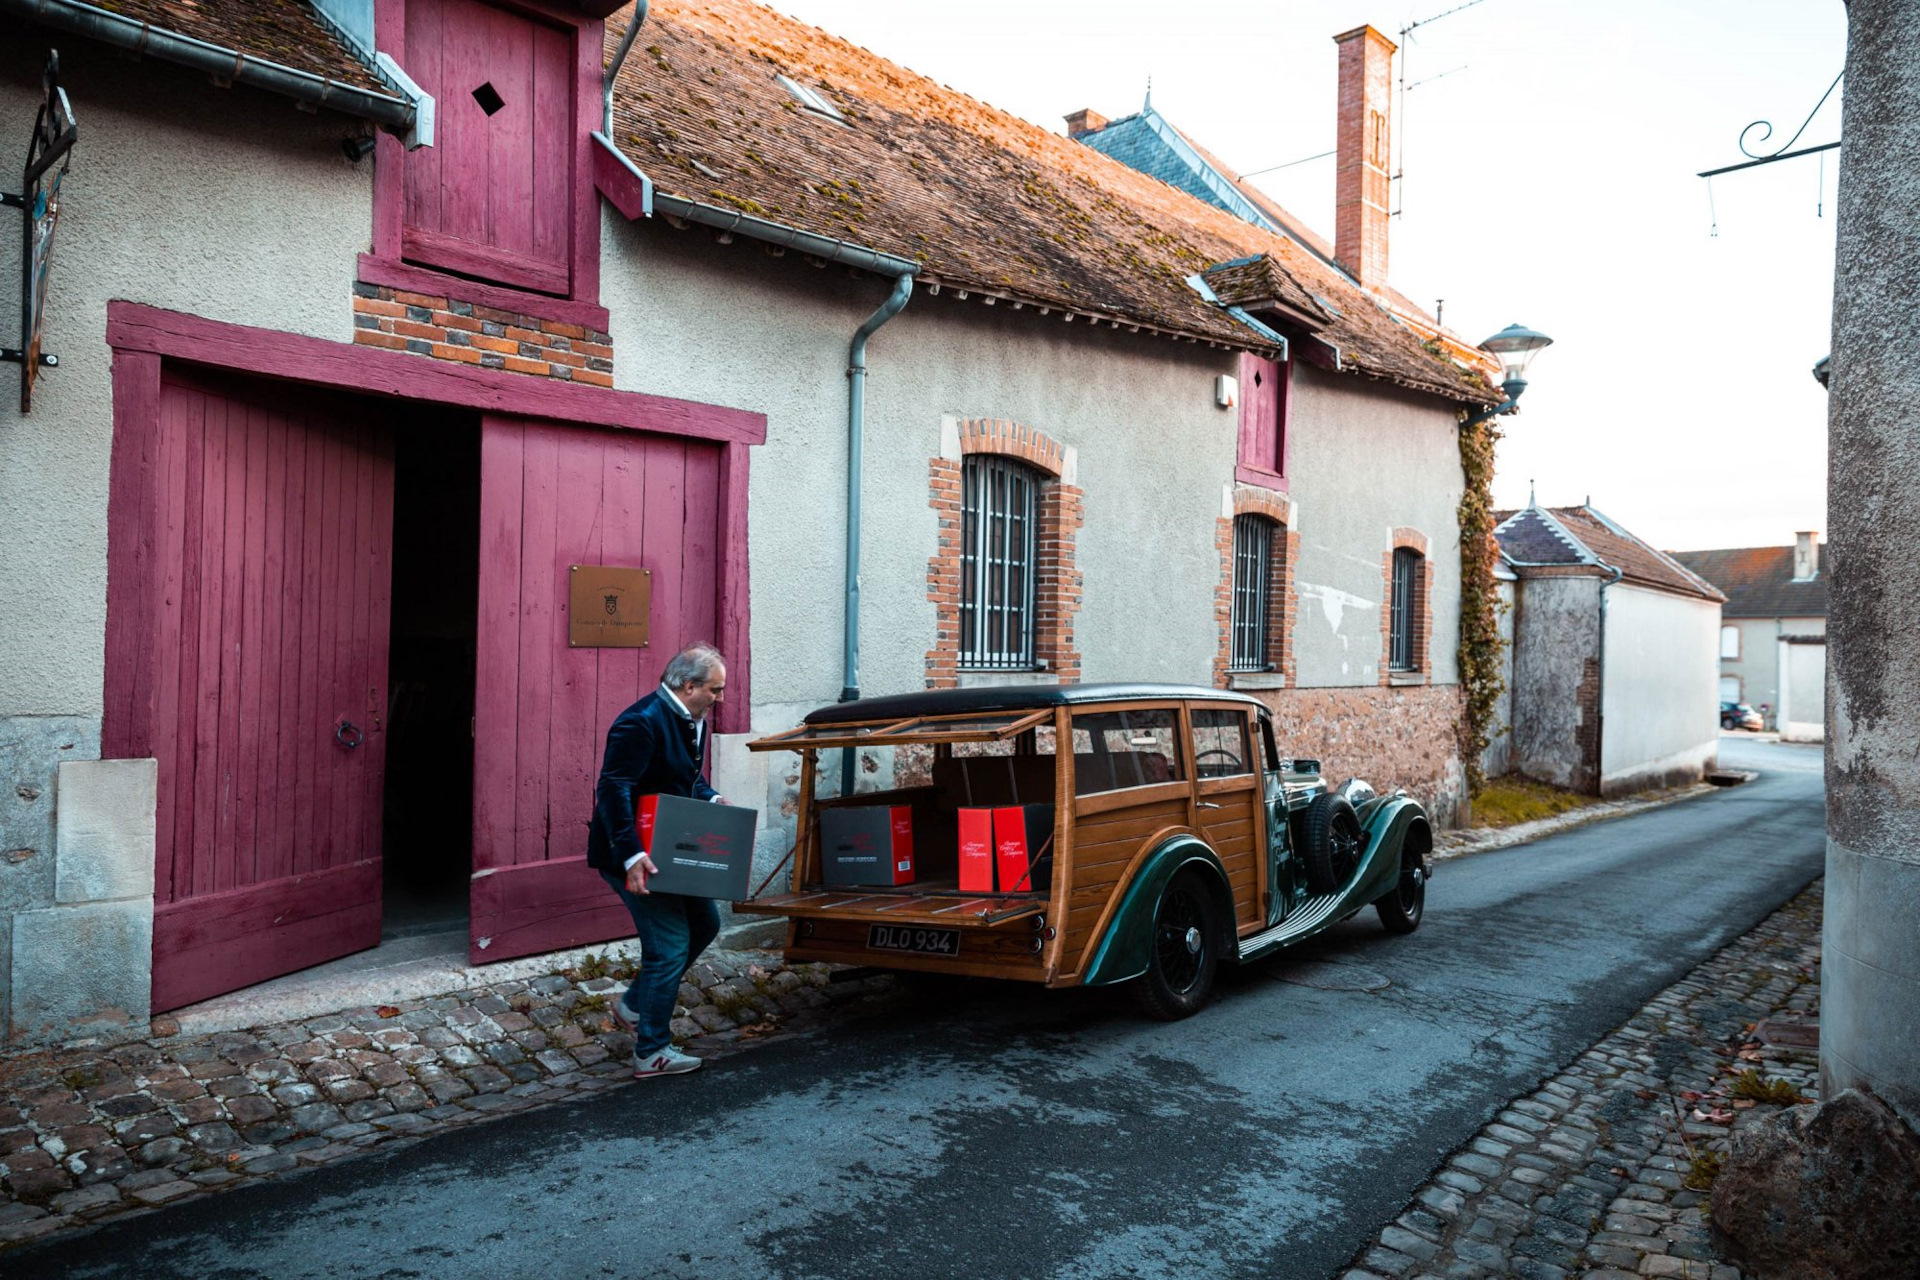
(1193, 940)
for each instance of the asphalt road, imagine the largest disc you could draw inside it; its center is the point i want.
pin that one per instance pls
(1025, 1133)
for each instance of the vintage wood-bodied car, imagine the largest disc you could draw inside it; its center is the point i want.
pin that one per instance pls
(1179, 839)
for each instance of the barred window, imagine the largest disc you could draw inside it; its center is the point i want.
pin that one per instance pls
(997, 562)
(1252, 592)
(1406, 577)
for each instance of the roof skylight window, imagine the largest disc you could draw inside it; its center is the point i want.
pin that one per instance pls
(810, 99)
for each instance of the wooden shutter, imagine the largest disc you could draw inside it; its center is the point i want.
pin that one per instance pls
(1264, 396)
(493, 197)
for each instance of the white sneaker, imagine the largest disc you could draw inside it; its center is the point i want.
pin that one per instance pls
(664, 1062)
(626, 1012)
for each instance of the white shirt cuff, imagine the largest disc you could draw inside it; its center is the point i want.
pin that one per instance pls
(628, 864)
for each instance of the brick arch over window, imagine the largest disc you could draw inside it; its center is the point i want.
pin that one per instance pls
(1057, 583)
(1420, 669)
(1282, 601)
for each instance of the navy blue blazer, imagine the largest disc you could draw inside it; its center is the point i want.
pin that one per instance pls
(650, 751)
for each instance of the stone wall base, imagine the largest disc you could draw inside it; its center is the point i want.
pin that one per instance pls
(1391, 736)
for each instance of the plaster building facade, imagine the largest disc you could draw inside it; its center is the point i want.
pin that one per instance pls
(290, 530)
(1773, 631)
(1613, 661)
(1870, 954)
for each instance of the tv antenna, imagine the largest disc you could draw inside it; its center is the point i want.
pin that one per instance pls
(1400, 126)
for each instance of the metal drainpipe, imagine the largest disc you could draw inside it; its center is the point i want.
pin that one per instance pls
(856, 431)
(1600, 702)
(613, 68)
(732, 222)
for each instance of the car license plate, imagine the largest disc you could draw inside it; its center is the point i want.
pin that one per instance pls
(924, 942)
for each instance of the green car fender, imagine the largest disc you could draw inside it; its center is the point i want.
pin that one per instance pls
(1391, 823)
(1123, 951)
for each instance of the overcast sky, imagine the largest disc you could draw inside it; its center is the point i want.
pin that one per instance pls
(1550, 182)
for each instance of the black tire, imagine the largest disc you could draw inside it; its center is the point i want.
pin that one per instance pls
(1402, 906)
(1184, 953)
(1330, 841)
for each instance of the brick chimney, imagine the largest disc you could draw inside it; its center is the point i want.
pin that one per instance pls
(1085, 121)
(1363, 150)
(1806, 556)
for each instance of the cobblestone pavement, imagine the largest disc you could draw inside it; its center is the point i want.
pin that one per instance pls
(91, 1134)
(1602, 1171)
(1588, 1175)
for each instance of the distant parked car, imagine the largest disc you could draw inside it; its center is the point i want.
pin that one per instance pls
(1738, 715)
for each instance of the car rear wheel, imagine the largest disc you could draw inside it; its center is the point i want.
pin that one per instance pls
(1402, 906)
(1184, 954)
(1330, 842)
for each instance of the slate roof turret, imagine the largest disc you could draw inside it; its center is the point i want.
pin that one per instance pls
(1581, 539)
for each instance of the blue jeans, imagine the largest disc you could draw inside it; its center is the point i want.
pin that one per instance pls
(673, 931)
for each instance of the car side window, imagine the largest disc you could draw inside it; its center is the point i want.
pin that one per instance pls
(1115, 750)
(1220, 746)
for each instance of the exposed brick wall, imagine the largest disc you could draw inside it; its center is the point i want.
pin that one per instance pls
(1413, 540)
(943, 575)
(1057, 583)
(1363, 145)
(1588, 698)
(1393, 737)
(1282, 601)
(450, 329)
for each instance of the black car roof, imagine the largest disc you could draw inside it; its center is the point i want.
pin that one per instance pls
(1015, 697)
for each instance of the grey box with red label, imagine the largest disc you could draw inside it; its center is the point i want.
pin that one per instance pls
(702, 850)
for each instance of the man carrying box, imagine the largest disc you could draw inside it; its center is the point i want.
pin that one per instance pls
(657, 746)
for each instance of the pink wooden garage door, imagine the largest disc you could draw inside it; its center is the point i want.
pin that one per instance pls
(272, 533)
(552, 497)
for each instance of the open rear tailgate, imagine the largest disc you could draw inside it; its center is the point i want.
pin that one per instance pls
(951, 911)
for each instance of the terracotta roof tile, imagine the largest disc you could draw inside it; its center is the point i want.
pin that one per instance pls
(1759, 583)
(283, 31)
(1582, 535)
(984, 200)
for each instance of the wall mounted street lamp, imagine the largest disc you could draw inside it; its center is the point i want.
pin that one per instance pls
(1516, 346)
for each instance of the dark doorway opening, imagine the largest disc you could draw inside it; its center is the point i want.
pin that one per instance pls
(436, 592)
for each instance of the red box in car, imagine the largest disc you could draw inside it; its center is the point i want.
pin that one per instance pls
(1022, 839)
(867, 845)
(976, 850)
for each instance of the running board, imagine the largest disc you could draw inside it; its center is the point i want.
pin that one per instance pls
(1310, 916)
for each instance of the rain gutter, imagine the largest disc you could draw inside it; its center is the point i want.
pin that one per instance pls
(639, 199)
(409, 113)
(613, 68)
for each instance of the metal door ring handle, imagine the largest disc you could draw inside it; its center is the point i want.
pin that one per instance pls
(347, 734)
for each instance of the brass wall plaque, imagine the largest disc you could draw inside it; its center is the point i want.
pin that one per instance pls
(608, 607)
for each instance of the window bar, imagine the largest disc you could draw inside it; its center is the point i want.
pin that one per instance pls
(1400, 655)
(996, 591)
(1252, 565)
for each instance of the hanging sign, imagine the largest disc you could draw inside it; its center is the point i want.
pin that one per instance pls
(39, 203)
(608, 607)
